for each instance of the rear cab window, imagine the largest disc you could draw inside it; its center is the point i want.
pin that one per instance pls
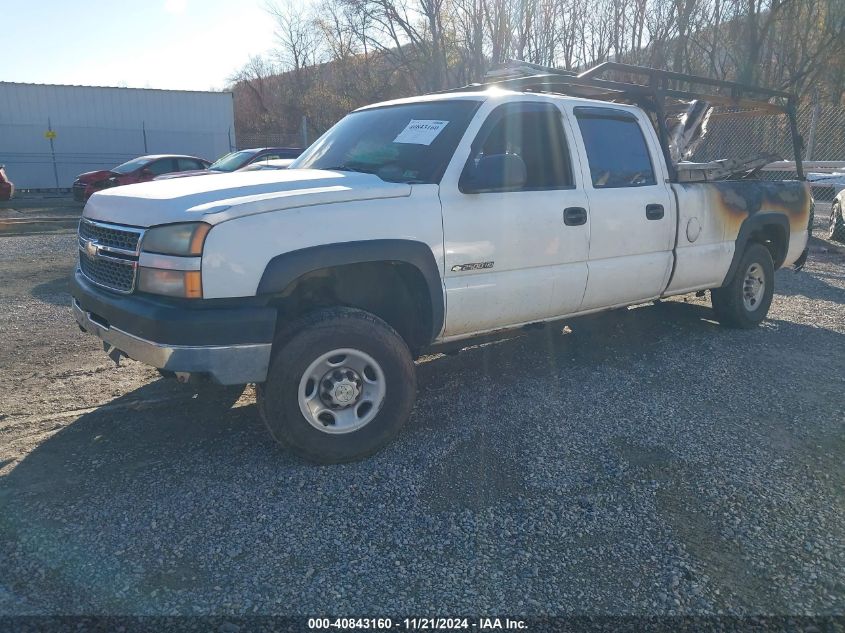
(617, 151)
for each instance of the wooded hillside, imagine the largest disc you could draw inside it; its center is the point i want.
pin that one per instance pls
(335, 55)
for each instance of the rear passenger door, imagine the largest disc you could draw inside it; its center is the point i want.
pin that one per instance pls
(632, 214)
(517, 255)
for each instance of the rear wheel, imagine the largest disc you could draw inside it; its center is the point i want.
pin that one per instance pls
(744, 301)
(341, 385)
(836, 228)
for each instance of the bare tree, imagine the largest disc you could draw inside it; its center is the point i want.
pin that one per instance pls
(297, 35)
(339, 54)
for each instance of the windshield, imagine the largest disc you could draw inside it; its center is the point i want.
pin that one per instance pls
(131, 165)
(233, 160)
(411, 142)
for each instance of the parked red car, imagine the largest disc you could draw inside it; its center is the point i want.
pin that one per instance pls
(7, 189)
(141, 169)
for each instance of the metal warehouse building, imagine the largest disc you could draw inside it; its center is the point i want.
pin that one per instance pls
(49, 134)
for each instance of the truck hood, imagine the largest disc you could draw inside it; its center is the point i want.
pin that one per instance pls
(219, 197)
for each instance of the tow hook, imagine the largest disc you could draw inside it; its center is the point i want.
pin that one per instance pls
(113, 353)
(183, 376)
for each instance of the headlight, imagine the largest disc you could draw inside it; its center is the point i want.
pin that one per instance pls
(170, 275)
(176, 239)
(173, 283)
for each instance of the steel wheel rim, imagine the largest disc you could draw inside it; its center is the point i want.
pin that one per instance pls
(753, 287)
(341, 391)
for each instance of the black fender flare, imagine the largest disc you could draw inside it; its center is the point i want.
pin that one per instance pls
(755, 222)
(286, 268)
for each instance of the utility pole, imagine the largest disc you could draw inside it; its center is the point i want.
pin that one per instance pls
(50, 134)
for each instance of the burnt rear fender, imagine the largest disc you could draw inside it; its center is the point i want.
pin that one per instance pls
(284, 269)
(761, 224)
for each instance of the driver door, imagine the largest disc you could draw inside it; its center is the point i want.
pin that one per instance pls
(517, 254)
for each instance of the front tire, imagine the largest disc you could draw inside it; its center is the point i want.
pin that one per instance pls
(836, 227)
(341, 385)
(744, 301)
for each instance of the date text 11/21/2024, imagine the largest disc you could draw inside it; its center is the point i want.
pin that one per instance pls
(417, 624)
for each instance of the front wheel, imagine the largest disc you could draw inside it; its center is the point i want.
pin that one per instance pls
(836, 228)
(744, 302)
(339, 388)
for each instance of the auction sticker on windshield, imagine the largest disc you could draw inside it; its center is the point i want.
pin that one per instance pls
(420, 131)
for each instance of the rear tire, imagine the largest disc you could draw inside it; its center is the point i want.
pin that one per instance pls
(341, 385)
(836, 228)
(745, 300)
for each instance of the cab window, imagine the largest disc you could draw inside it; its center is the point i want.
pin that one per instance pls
(534, 132)
(616, 148)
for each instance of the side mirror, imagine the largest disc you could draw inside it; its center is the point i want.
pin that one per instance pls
(497, 172)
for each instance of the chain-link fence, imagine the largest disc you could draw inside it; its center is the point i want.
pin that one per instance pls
(731, 133)
(735, 133)
(288, 137)
(247, 140)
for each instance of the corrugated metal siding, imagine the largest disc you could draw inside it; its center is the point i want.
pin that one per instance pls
(98, 128)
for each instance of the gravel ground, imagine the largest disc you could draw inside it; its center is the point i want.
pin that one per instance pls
(642, 462)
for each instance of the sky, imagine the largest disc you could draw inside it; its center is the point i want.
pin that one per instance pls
(171, 44)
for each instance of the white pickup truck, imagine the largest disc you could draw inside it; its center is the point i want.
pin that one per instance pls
(411, 224)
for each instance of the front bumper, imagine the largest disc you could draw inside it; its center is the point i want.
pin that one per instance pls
(230, 344)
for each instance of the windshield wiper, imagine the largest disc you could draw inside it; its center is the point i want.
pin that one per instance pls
(357, 170)
(406, 181)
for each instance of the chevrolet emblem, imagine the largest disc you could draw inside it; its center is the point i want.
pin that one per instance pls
(91, 248)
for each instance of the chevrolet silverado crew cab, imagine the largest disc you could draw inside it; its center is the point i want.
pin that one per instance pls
(421, 222)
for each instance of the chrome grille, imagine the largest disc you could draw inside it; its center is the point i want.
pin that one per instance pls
(109, 235)
(108, 272)
(108, 254)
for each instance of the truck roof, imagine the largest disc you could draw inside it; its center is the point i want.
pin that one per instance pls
(493, 92)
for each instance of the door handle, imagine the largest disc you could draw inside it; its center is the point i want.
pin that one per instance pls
(654, 211)
(574, 216)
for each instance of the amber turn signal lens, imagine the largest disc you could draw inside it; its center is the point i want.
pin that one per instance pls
(198, 238)
(172, 283)
(193, 283)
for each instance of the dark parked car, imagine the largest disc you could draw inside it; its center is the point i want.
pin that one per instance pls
(242, 158)
(141, 169)
(7, 189)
